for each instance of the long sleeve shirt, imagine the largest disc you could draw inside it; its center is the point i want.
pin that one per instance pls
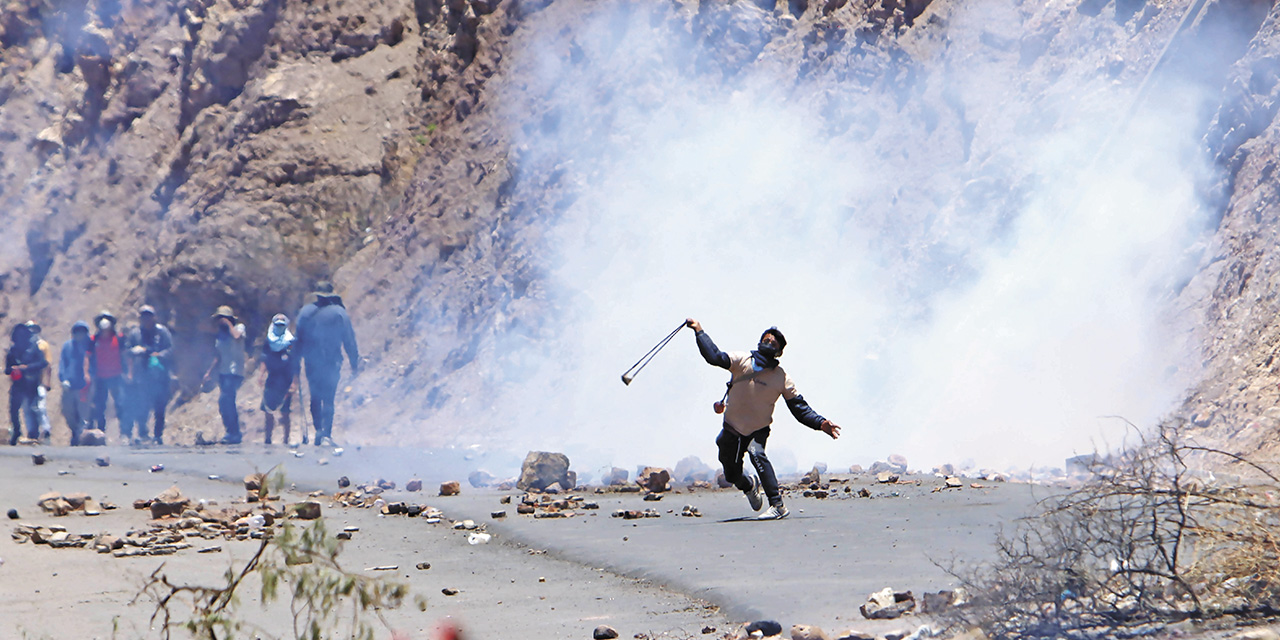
(756, 384)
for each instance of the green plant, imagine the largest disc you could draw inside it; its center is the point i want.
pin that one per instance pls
(300, 564)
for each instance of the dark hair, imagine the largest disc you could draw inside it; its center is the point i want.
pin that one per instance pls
(782, 341)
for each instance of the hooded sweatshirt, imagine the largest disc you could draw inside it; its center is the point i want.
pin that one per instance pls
(324, 331)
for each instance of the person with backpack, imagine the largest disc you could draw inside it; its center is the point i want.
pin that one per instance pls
(755, 384)
(24, 363)
(73, 373)
(324, 331)
(150, 347)
(280, 367)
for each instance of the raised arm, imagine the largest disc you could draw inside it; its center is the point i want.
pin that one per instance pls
(710, 352)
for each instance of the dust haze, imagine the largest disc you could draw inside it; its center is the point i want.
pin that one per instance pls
(988, 301)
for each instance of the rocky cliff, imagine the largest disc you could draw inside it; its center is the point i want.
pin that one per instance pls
(429, 157)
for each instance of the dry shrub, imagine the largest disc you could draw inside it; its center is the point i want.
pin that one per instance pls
(1150, 537)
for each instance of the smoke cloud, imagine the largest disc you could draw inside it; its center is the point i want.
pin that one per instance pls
(971, 258)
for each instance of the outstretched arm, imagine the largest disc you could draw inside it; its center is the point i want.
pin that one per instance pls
(710, 352)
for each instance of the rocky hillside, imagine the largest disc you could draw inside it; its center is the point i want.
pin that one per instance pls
(445, 163)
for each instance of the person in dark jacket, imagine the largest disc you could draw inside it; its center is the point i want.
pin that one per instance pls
(25, 364)
(150, 347)
(324, 331)
(228, 362)
(756, 382)
(281, 370)
(73, 372)
(106, 371)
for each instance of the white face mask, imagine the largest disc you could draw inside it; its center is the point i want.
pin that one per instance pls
(104, 324)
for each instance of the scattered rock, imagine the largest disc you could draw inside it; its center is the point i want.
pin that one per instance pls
(93, 438)
(386, 485)
(953, 482)
(37, 459)
(898, 461)
(721, 481)
(450, 488)
(448, 591)
(169, 502)
(807, 632)
(413, 485)
(157, 468)
(422, 566)
(604, 632)
(856, 469)
(766, 628)
(939, 602)
(497, 514)
(344, 482)
(853, 634)
(255, 481)
(480, 479)
(654, 479)
(102, 461)
(308, 510)
(887, 604)
(886, 477)
(542, 469)
(864, 493)
(652, 497)
(13, 514)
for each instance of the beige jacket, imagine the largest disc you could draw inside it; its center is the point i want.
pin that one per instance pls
(752, 398)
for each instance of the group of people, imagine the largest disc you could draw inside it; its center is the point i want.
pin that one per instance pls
(134, 370)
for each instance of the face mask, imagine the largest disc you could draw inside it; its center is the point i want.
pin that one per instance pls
(278, 329)
(767, 350)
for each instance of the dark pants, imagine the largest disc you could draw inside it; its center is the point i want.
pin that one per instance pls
(228, 385)
(148, 396)
(322, 383)
(114, 387)
(733, 446)
(22, 403)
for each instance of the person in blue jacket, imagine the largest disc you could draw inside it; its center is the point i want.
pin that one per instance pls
(73, 372)
(324, 331)
(150, 346)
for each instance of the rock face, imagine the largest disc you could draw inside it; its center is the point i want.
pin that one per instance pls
(542, 470)
(196, 154)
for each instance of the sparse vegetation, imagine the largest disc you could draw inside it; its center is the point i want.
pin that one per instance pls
(299, 565)
(1148, 539)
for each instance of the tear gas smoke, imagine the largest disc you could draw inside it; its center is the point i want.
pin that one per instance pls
(988, 298)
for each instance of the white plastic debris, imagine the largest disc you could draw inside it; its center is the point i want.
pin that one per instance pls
(337, 452)
(479, 538)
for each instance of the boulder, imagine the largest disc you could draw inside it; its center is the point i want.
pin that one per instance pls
(898, 461)
(808, 632)
(767, 628)
(413, 485)
(947, 469)
(721, 481)
(450, 488)
(542, 469)
(255, 481)
(169, 502)
(887, 604)
(856, 469)
(604, 632)
(654, 479)
(480, 479)
(953, 482)
(309, 510)
(692, 469)
(615, 477)
(886, 477)
(77, 500)
(93, 438)
(937, 602)
(814, 476)
(880, 466)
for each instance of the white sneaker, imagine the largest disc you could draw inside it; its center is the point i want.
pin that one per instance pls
(756, 495)
(774, 513)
